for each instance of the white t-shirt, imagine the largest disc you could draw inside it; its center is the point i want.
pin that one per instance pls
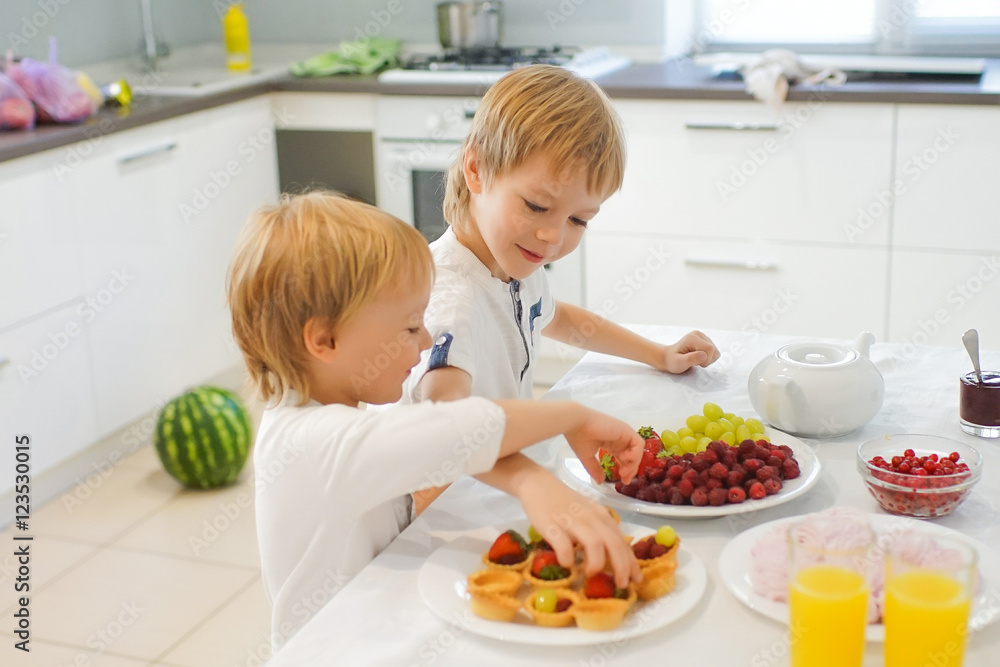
(333, 485)
(488, 328)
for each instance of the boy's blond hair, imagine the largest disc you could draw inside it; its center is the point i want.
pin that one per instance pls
(547, 108)
(313, 255)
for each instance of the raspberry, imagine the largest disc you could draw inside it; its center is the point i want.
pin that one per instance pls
(736, 495)
(641, 548)
(735, 477)
(657, 550)
(668, 483)
(717, 497)
(772, 486)
(711, 456)
(747, 449)
(763, 453)
(660, 494)
(778, 453)
(729, 458)
(752, 465)
(774, 461)
(675, 471)
(699, 498)
(646, 493)
(690, 475)
(685, 488)
(765, 473)
(790, 469)
(757, 491)
(789, 453)
(713, 483)
(718, 447)
(676, 497)
(630, 489)
(718, 471)
(699, 463)
(656, 474)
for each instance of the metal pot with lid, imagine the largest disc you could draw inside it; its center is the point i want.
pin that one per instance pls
(470, 25)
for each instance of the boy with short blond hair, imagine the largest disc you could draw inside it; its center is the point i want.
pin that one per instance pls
(544, 151)
(322, 289)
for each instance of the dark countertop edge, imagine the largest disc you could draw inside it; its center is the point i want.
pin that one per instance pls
(661, 81)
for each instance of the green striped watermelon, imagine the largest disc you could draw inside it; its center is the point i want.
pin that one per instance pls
(203, 437)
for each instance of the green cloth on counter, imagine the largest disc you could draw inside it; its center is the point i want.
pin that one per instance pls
(364, 56)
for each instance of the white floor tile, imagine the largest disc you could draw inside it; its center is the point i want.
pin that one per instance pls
(236, 635)
(216, 525)
(132, 604)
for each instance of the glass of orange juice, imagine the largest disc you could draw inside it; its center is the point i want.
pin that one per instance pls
(830, 559)
(929, 585)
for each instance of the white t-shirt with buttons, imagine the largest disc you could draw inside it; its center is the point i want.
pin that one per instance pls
(489, 328)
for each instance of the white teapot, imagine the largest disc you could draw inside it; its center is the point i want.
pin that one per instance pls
(818, 389)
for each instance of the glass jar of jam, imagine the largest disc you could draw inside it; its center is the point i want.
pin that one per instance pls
(979, 404)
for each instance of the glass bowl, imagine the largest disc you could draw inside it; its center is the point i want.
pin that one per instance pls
(914, 495)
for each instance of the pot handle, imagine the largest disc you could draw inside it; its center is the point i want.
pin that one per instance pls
(781, 389)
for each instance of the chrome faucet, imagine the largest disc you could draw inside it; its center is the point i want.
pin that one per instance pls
(152, 48)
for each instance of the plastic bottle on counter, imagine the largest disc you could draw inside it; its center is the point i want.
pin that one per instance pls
(236, 32)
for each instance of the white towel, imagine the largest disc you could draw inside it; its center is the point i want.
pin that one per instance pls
(768, 78)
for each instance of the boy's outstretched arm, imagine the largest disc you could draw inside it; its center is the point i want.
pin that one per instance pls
(559, 513)
(581, 328)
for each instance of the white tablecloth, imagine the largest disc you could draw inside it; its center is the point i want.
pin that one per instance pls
(378, 618)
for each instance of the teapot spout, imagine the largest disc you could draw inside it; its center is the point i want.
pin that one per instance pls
(863, 343)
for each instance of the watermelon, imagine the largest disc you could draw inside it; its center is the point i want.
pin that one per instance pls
(203, 437)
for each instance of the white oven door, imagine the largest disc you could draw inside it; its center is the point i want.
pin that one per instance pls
(411, 181)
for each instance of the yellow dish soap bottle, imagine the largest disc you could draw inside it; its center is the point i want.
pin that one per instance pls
(236, 32)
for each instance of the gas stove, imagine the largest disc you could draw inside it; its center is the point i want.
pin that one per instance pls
(484, 66)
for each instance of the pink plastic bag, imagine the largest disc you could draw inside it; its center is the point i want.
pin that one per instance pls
(52, 87)
(16, 110)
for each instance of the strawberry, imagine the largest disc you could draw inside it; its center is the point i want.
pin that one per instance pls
(653, 442)
(609, 465)
(508, 549)
(648, 461)
(546, 566)
(602, 585)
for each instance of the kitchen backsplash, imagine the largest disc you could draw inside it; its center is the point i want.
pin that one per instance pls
(96, 30)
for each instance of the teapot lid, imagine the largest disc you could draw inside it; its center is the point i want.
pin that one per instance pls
(817, 354)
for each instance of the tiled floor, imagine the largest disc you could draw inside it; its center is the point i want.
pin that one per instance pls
(138, 571)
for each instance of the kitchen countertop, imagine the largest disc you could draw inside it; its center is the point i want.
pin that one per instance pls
(380, 618)
(670, 80)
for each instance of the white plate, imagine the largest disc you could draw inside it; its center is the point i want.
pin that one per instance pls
(571, 471)
(734, 566)
(442, 578)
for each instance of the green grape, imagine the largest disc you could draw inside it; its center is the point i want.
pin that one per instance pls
(675, 450)
(728, 438)
(729, 416)
(534, 535)
(761, 436)
(669, 438)
(755, 425)
(666, 536)
(689, 444)
(712, 411)
(742, 433)
(713, 430)
(727, 426)
(697, 423)
(737, 420)
(545, 600)
(684, 432)
(703, 444)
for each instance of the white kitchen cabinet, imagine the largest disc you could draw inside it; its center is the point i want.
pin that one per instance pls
(159, 209)
(755, 287)
(46, 392)
(947, 163)
(37, 240)
(733, 170)
(937, 296)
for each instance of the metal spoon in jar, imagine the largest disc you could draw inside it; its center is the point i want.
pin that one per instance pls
(971, 340)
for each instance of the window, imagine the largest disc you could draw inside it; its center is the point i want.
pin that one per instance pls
(910, 27)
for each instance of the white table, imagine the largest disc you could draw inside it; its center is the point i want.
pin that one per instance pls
(378, 618)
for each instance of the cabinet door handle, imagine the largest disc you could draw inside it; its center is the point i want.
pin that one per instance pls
(147, 152)
(748, 264)
(735, 126)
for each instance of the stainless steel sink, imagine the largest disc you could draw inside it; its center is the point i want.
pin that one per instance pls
(201, 70)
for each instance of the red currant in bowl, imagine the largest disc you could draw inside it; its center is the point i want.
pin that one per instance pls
(922, 476)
